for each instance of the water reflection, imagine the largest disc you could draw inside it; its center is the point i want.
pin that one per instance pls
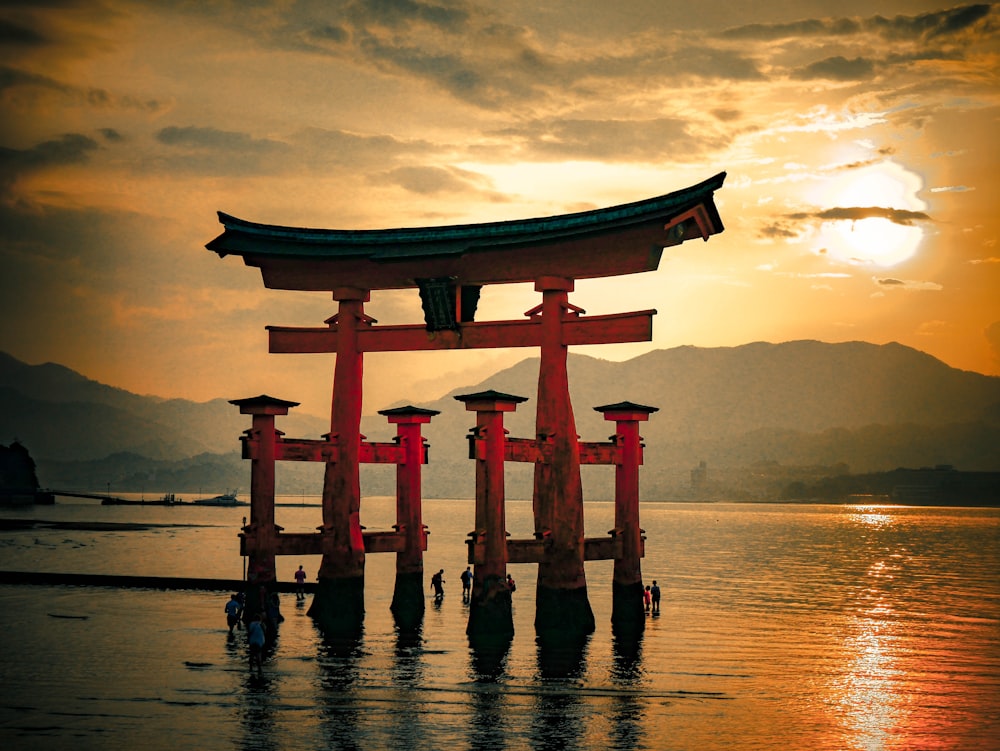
(405, 725)
(488, 668)
(868, 694)
(627, 712)
(339, 665)
(872, 516)
(257, 713)
(558, 719)
(488, 727)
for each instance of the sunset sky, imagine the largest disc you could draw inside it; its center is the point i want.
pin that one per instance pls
(860, 141)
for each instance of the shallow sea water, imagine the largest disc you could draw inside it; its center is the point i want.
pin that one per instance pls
(783, 626)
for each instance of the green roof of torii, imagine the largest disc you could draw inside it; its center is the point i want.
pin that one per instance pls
(304, 258)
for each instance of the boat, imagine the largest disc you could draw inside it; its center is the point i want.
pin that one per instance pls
(226, 499)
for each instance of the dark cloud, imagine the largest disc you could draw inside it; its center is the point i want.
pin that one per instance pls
(897, 216)
(925, 26)
(398, 13)
(97, 98)
(13, 34)
(12, 77)
(70, 148)
(217, 140)
(930, 25)
(110, 134)
(804, 28)
(837, 68)
(329, 33)
(321, 147)
(612, 140)
(433, 180)
(726, 114)
(778, 230)
(907, 284)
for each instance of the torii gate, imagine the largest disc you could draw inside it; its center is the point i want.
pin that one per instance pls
(449, 265)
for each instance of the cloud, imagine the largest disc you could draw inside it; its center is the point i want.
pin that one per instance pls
(838, 68)
(215, 139)
(207, 150)
(951, 189)
(612, 140)
(397, 14)
(433, 180)
(97, 98)
(69, 148)
(924, 26)
(909, 285)
(931, 25)
(18, 35)
(902, 217)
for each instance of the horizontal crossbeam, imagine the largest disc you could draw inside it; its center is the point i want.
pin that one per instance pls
(309, 450)
(537, 551)
(313, 543)
(609, 329)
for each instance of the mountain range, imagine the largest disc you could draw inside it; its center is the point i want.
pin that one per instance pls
(748, 419)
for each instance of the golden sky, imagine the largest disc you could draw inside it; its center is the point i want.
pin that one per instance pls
(859, 138)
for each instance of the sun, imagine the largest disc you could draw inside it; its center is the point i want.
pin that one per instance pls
(858, 228)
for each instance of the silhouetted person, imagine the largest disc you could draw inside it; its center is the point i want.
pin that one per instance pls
(233, 610)
(256, 638)
(654, 591)
(647, 598)
(437, 582)
(300, 583)
(511, 586)
(466, 583)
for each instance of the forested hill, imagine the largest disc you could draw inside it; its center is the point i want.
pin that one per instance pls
(776, 409)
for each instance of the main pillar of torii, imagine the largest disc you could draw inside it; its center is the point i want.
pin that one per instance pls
(449, 266)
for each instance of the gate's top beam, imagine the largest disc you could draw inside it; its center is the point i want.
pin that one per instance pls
(623, 239)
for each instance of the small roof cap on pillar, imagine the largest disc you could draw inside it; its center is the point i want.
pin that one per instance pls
(409, 413)
(626, 411)
(263, 405)
(497, 401)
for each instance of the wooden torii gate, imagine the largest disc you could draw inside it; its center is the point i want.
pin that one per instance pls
(449, 266)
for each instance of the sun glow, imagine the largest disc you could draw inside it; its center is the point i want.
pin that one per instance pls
(865, 215)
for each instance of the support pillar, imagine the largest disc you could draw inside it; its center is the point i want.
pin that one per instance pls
(491, 620)
(259, 537)
(339, 604)
(562, 609)
(627, 612)
(408, 593)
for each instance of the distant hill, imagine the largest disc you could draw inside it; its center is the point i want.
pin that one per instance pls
(790, 411)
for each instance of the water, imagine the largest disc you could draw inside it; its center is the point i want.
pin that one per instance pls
(783, 627)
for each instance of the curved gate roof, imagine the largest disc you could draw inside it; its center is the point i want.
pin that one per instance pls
(623, 239)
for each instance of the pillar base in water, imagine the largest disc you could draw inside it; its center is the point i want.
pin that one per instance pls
(339, 606)
(408, 601)
(491, 620)
(563, 613)
(628, 614)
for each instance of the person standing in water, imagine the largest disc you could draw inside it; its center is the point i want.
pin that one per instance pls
(300, 583)
(256, 638)
(233, 610)
(466, 584)
(437, 582)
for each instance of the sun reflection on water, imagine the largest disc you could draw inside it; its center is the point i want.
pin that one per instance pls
(872, 516)
(867, 694)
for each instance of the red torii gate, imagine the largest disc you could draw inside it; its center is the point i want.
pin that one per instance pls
(449, 265)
